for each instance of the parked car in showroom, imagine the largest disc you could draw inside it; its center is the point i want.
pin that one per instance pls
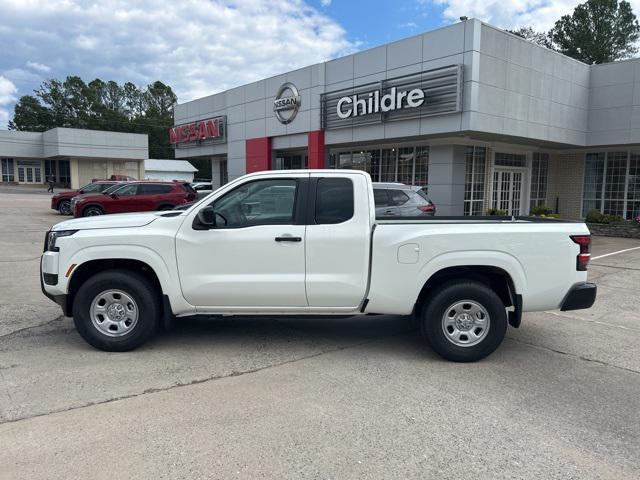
(61, 201)
(136, 196)
(308, 242)
(398, 199)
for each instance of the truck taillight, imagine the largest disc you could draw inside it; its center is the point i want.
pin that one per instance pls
(585, 251)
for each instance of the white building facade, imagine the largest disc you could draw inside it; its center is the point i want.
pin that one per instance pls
(169, 170)
(72, 157)
(482, 118)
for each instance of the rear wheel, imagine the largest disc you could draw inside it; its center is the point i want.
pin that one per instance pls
(116, 310)
(64, 207)
(92, 211)
(464, 321)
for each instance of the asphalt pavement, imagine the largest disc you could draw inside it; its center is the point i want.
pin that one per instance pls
(314, 397)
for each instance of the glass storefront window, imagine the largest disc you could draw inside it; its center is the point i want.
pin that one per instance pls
(388, 165)
(65, 172)
(612, 183)
(408, 165)
(406, 158)
(510, 159)
(539, 174)
(290, 161)
(7, 170)
(633, 186)
(475, 158)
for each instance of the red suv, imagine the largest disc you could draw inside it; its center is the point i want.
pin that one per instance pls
(62, 201)
(135, 197)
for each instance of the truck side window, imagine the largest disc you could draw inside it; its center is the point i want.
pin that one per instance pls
(334, 200)
(380, 197)
(263, 202)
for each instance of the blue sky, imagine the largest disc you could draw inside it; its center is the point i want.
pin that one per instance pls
(376, 22)
(200, 47)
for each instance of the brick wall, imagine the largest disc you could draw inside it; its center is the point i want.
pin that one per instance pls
(565, 182)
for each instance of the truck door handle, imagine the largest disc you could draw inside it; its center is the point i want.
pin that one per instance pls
(288, 239)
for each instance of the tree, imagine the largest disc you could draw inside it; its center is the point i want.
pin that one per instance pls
(528, 33)
(101, 105)
(598, 31)
(30, 115)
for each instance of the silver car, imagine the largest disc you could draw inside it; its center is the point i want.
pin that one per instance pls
(399, 200)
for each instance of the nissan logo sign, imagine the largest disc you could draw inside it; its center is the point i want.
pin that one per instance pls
(286, 107)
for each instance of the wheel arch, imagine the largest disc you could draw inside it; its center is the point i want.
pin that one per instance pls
(496, 278)
(152, 270)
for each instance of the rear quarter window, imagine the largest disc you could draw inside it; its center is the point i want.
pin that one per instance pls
(334, 200)
(398, 197)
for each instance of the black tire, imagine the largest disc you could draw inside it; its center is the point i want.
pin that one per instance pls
(64, 207)
(147, 301)
(163, 208)
(437, 305)
(92, 210)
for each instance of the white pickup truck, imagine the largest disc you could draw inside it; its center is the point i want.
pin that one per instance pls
(308, 242)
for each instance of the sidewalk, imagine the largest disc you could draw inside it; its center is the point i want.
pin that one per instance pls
(36, 189)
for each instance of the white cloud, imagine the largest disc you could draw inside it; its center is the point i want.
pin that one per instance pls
(539, 14)
(40, 67)
(198, 47)
(325, 3)
(8, 92)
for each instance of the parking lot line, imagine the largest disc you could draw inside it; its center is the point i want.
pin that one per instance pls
(614, 253)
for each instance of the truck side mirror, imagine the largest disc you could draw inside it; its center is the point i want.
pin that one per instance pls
(206, 218)
(114, 195)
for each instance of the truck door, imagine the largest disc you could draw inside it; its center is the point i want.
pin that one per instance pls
(337, 241)
(254, 257)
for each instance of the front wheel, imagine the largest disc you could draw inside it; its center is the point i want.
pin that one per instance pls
(64, 207)
(92, 211)
(116, 310)
(464, 321)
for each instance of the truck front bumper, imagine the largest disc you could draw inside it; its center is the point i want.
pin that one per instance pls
(49, 281)
(579, 297)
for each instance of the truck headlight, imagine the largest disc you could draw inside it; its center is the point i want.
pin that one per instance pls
(50, 243)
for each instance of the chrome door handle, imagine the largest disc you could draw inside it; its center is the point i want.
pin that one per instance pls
(288, 239)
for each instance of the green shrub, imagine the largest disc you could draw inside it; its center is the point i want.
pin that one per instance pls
(541, 210)
(497, 212)
(594, 216)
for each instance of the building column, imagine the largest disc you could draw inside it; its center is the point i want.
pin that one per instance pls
(74, 173)
(258, 154)
(446, 178)
(316, 151)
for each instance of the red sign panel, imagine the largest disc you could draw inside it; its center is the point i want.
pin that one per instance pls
(213, 128)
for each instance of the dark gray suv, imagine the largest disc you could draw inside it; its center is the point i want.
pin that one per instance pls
(399, 200)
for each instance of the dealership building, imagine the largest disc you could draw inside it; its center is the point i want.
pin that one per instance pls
(72, 157)
(482, 118)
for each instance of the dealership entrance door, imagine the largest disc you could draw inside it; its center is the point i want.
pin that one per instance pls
(507, 190)
(29, 172)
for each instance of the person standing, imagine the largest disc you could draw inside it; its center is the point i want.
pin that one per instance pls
(50, 182)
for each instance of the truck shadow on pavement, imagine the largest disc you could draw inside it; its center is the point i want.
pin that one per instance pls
(283, 331)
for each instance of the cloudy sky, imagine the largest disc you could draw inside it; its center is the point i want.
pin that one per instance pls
(200, 47)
